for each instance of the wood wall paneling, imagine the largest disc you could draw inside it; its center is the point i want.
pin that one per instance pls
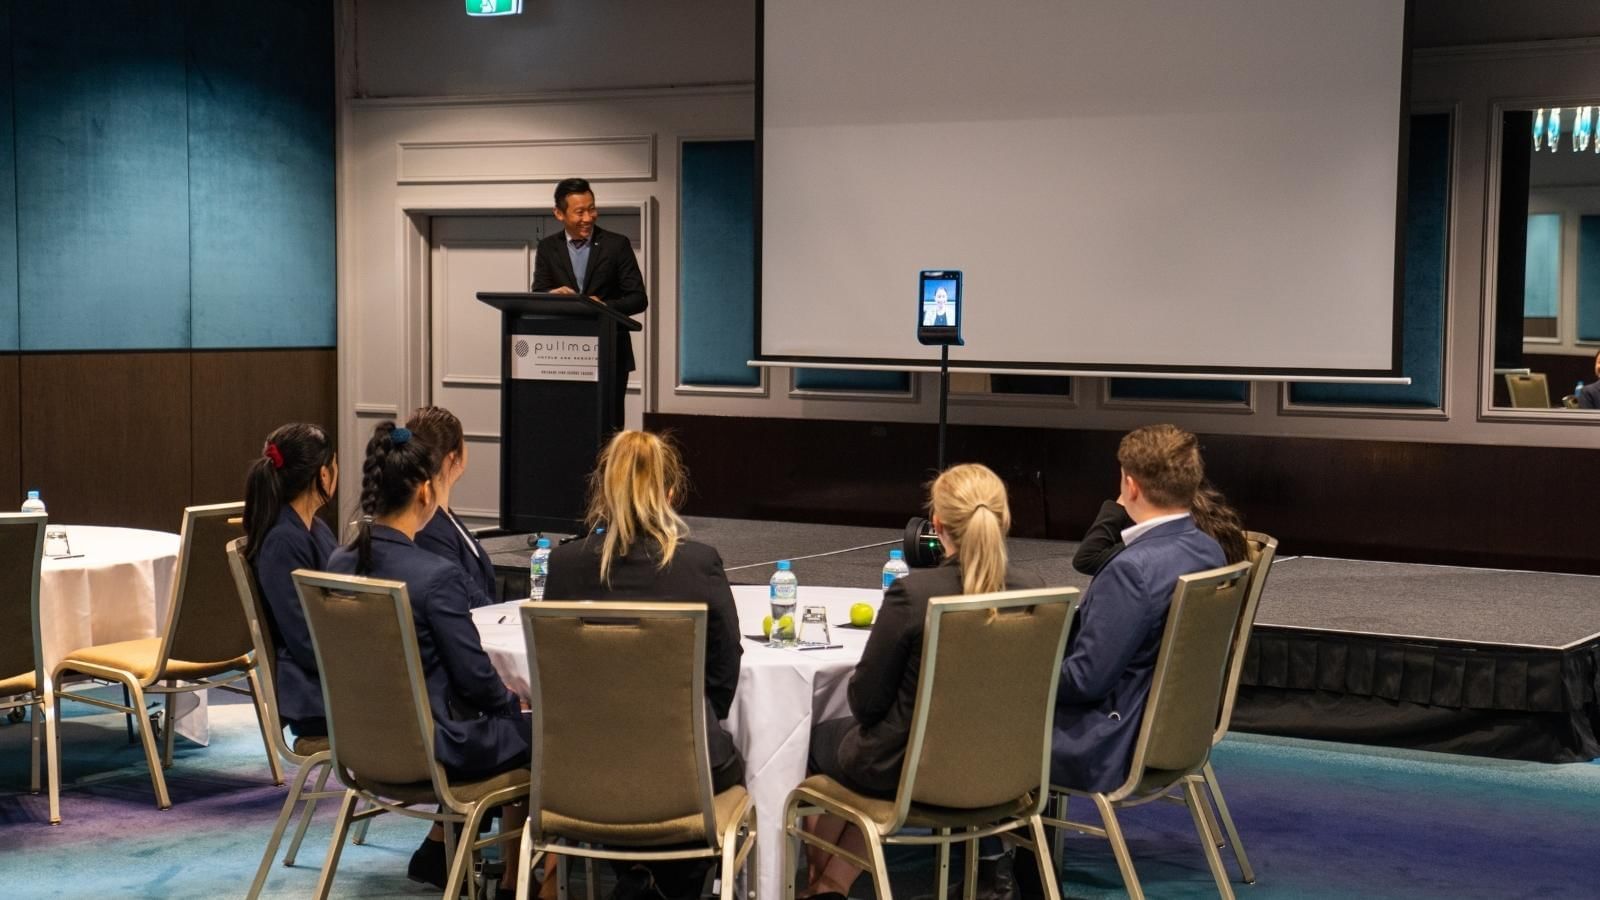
(105, 436)
(1455, 504)
(11, 490)
(241, 396)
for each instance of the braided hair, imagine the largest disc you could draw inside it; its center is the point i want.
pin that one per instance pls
(397, 463)
(291, 463)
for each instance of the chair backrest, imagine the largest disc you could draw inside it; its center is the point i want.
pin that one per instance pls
(1528, 391)
(21, 557)
(204, 621)
(244, 583)
(618, 697)
(985, 699)
(375, 696)
(1260, 549)
(1186, 689)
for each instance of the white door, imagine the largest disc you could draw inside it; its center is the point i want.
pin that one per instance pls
(490, 253)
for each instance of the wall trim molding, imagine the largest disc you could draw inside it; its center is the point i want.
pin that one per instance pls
(587, 95)
(1511, 49)
(521, 160)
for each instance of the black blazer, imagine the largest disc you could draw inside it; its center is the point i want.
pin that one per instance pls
(613, 276)
(1589, 397)
(478, 725)
(695, 575)
(442, 537)
(883, 690)
(1103, 540)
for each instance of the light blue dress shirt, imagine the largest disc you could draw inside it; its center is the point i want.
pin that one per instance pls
(580, 258)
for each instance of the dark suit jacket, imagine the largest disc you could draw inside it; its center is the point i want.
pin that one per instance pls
(883, 690)
(613, 276)
(1589, 397)
(442, 537)
(479, 729)
(1103, 540)
(289, 545)
(1105, 678)
(695, 575)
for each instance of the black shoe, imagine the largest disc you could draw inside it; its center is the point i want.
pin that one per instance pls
(427, 864)
(635, 884)
(995, 881)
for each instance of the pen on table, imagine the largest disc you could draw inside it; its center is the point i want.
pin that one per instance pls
(821, 647)
(502, 621)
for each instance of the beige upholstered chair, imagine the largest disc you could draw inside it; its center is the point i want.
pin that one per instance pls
(307, 755)
(380, 722)
(619, 742)
(204, 643)
(985, 705)
(1528, 391)
(24, 682)
(1180, 717)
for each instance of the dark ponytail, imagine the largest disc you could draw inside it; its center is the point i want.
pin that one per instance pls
(1215, 517)
(290, 464)
(397, 463)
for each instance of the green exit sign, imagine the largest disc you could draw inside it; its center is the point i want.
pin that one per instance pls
(494, 7)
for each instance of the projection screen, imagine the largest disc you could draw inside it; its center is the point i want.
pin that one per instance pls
(1129, 185)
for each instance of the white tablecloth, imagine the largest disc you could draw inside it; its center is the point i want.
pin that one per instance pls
(782, 692)
(116, 588)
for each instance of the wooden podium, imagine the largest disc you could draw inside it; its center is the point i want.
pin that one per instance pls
(558, 381)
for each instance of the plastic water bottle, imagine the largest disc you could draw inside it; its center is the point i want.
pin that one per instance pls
(33, 504)
(538, 569)
(783, 593)
(895, 568)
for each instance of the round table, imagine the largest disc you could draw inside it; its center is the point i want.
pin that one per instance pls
(782, 693)
(116, 586)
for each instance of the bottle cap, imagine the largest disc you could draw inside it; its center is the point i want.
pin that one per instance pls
(783, 565)
(33, 495)
(897, 554)
(544, 543)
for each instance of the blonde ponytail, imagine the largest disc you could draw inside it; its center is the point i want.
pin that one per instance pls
(631, 493)
(970, 503)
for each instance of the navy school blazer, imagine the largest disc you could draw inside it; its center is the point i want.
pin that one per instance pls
(289, 545)
(442, 537)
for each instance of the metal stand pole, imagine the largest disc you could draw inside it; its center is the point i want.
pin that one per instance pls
(944, 397)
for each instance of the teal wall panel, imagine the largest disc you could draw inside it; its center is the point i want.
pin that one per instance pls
(1541, 288)
(1054, 385)
(850, 380)
(1178, 389)
(102, 176)
(1427, 242)
(8, 194)
(716, 264)
(1589, 278)
(261, 176)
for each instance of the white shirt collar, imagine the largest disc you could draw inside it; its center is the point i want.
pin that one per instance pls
(1134, 532)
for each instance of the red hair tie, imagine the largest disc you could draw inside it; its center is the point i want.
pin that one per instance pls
(273, 453)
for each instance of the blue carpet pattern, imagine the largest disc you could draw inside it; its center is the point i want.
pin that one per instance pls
(1319, 820)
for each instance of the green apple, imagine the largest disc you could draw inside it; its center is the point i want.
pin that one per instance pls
(861, 615)
(766, 625)
(786, 626)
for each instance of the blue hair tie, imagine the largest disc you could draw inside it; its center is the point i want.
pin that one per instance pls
(400, 435)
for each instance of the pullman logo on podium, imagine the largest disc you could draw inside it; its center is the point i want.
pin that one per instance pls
(555, 358)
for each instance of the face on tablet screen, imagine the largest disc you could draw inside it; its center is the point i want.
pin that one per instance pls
(939, 308)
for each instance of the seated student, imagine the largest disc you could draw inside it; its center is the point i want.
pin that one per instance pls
(644, 553)
(864, 750)
(1104, 537)
(479, 729)
(283, 490)
(1589, 397)
(445, 534)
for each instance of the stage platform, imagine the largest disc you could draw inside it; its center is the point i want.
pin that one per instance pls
(1477, 661)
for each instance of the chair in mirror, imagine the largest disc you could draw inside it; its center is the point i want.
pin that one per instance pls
(1545, 321)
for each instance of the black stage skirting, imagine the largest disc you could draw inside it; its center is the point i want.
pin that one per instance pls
(1473, 661)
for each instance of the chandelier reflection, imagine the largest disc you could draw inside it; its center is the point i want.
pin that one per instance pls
(1547, 127)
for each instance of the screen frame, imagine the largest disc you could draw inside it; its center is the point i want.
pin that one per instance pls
(939, 335)
(1287, 373)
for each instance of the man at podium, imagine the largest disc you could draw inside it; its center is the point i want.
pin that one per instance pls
(585, 259)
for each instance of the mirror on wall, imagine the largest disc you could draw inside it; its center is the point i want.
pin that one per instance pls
(1546, 322)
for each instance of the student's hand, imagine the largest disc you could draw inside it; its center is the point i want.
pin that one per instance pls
(562, 290)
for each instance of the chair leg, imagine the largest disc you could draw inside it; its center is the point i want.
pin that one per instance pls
(1058, 838)
(463, 855)
(169, 734)
(36, 723)
(1119, 847)
(561, 876)
(128, 718)
(358, 834)
(262, 718)
(289, 804)
(52, 752)
(341, 824)
(1214, 788)
(969, 882)
(589, 887)
(727, 878)
(941, 885)
(752, 864)
(880, 869)
(1196, 804)
(524, 858)
(1041, 857)
(791, 847)
(151, 754)
(305, 815)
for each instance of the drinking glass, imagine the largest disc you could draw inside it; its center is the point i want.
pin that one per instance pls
(55, 542)
(813, 626)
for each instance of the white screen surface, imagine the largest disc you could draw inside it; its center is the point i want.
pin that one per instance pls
(1126, 184)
